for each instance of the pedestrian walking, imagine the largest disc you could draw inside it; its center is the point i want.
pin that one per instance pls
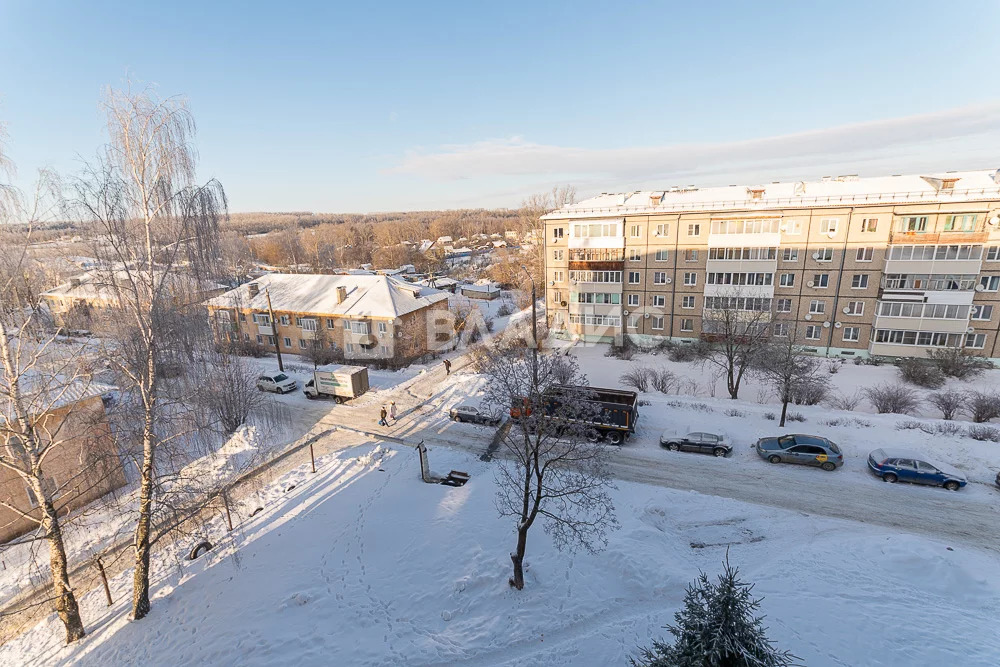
(447, 367)
(381, 417)
(392, 411)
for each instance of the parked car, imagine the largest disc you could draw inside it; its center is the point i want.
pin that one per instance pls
(901, 465)
(703, 443)
(279, 383)
(811, 450)
(473, 415)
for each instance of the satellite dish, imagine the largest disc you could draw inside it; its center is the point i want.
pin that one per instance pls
(826, 325)
(847, 310)
(646, 316)
(809, 317)
(810, 284)
(625, 313)
(669, 280)
(995, 220)
(980, 287)
(816, 255)
(838, 324)
(831, 233)
(970, 330)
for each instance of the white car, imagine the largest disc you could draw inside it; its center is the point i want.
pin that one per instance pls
(279, 383)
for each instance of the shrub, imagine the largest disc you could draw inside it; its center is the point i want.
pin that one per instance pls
(847, 402)
(699, 349)
(892, 398)
(733, 412)
(504, 310)
(662, 380)
(980, 432)
(913, 425)
(490, 324)
(948, 428)
(921, 372)
(957, 363)
(983, 406)
(810, 391)
(770, 416)
(847, 421)
(795, 417)
(625, 351)
(949, 402)
(833, 367)
(637, 377)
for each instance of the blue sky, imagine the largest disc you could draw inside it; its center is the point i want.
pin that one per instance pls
(326, 106)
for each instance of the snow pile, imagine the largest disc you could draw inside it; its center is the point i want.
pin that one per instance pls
(364, 562)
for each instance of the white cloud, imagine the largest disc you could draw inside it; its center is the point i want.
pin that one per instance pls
(940, 140)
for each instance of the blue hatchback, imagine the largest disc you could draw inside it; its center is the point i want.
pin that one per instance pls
(900, 465)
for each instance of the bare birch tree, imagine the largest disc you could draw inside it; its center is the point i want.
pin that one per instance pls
(551, 464)
(738, 327)
(782, 365)
(34, 381)
(153, 222)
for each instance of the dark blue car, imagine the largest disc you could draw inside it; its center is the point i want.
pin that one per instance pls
(900, 465)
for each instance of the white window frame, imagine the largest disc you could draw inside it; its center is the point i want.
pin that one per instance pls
(821, 280)
(790, 255)
(855, 308)
(828, 225)
(634, 255)
(694, 229)
(662, 255)
(287, 341)
(817, 307)
(656, 322)
(633, 299)
(780, 329)
(687, 324)
(782, 302)
(859, 281)
(635, 231)
(636, 275)
(690, 279)
(663, 229)
(688, 301)
(852, 334)
(865, 254)
(659, 277)
(786, 280)
(813, 331)
(869, 225)
(979, 310)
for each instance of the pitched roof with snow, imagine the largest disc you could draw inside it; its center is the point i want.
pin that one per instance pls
(99, 285)
(956, 186)
(43, 393)
(367, 295)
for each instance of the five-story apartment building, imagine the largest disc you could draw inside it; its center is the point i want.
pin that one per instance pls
(889, 266)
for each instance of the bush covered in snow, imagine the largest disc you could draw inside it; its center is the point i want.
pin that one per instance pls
(957, 363)
(733, 412)
(637, 377)
(982, 432)
(847, 402)
(695, 351)
(921, 372)
(892, 398)
(983, 405)
(950, 402)
(795, 417)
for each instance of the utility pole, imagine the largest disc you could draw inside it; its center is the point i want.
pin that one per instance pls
(534, 329)
(274, 328)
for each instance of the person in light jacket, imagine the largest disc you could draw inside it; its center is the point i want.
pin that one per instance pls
(392, 410)
(381, 417)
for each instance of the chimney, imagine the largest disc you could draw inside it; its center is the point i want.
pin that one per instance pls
(655, 198)
(254, 289)
(948, 183)
(756, 193)
(341, 294)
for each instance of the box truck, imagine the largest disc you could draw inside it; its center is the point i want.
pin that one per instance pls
(336, 381)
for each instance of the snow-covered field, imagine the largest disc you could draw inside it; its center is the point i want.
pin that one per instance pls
(363, 564)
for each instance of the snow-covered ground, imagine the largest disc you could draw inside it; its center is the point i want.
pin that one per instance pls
(363, 564)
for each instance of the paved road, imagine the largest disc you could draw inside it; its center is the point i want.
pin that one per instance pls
(962, 517)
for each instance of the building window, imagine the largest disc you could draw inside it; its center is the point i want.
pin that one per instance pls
(349, 348)
(384, 350)
(687, 302)
(659, 277)
(288, 341)
(694, 229)
(993, 253)
(786, 280)
(975, 341)
(284, 320)
(634, 277)
(557, 233)
(982, 312)
(687, 324)
(359, 327)
(690, 278)
(813, 331)
(598, 297)
(596, 229)
(557, 276)
(662, 255)
(557, 255)
(657, 322)
(634, 255)
(960, 223)
(347, 324)
(781, 329)
(260, 340)
(793, 227)
(662, 229)
(865, 254)
(817, 307)
(852, 334)
(330, 323)
(859, 281)
(869, 224)
(635, 231)
(303, 345)
(633, 321)
(790, 255)
(382, 327)
(915, 224)
(690, 255)
(990, 283)
(855, 308)
(820, 280)
(783, 305)
(243, 317)
(829, 225)
(823, 255)
(246, 337)
(659, 300)
(633, 299)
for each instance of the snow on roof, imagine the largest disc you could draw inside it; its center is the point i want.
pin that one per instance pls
(955, 186)
(100, 284)
(45, 393)
(367, 295)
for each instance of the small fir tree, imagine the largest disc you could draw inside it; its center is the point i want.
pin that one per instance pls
(717, 627)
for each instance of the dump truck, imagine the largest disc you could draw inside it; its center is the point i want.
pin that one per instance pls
(611, 414)
(336, 381)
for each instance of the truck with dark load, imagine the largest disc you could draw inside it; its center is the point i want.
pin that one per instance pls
(610, 414)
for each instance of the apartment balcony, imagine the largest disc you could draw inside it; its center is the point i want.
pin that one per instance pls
(596, 242)
(265, 329)
(922, 324)
(924, 238)
(597, 265)
(308, 334)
